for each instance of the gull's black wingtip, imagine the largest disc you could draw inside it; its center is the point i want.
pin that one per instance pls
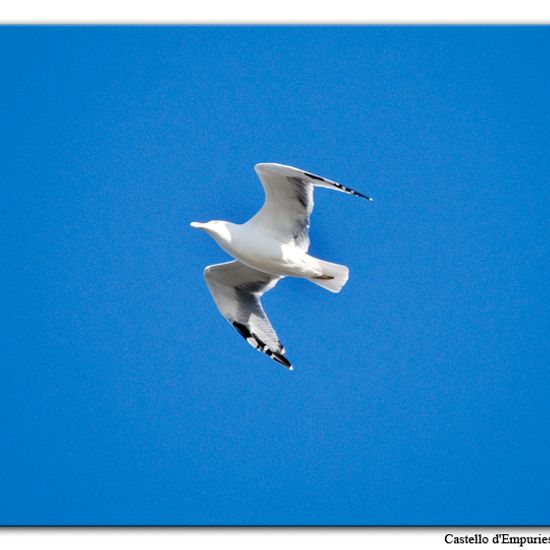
(255, 342)
(282, 360)
(343, 188)
(370, 199)
(359, 194)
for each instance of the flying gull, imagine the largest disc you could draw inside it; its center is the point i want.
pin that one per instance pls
(272, 245)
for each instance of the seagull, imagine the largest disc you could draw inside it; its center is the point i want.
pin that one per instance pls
(273, 244)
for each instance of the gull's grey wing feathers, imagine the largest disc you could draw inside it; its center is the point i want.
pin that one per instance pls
(237, 290)
(289, 201)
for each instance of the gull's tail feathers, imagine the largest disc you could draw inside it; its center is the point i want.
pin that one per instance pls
(334, 276)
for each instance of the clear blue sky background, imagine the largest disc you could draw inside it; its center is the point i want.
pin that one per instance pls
(420, 393)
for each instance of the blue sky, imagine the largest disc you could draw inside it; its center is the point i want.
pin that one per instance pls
(420, 394)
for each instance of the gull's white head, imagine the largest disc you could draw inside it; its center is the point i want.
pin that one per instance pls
(198, 225)
(207, 226)
(215, 228)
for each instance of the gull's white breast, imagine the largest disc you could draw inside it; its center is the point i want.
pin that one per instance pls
(264, 253)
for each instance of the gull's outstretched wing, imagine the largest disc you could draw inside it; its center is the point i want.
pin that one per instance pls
(237, 290)
(289, 201)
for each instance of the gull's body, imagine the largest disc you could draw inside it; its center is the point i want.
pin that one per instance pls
(271, 245)
(261, 251)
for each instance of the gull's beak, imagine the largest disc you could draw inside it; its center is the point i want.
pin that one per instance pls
(197, 225)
